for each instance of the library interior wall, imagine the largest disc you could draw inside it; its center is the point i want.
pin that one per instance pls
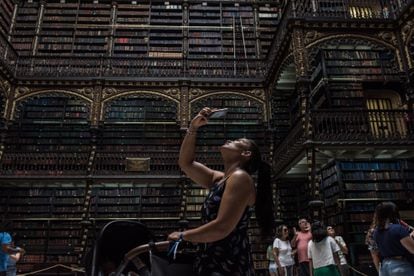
(50, 135)
(71, 132)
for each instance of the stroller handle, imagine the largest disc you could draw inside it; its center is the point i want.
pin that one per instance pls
(133, 253)
(161, 246)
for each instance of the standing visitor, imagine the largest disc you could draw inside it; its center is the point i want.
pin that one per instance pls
(396, 246)
(300, 241)
(343, 267)
(272, 264)
(224, 243)
(11, 265)
(323, 252)
(6, 248)
(283, 252)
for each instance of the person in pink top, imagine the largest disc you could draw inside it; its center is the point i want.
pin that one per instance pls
(300, 242)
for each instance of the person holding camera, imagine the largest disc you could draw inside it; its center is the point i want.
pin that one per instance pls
(223, 239)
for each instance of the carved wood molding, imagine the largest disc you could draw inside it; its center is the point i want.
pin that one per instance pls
(5, 87)
(6, 90)
(312, 36)
(299, 52)
(86, 92)
(109, 93)
(407, 30)
(407, 35)
(197, 93)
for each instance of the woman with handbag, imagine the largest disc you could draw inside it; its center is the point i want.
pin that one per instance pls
(394, 242)
(223, 237)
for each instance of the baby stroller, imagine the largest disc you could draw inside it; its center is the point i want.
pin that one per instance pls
(126, 248)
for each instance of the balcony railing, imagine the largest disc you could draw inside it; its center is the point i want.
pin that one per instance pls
(95, 67)
(356, 126)
(349, 9)
(348, 128)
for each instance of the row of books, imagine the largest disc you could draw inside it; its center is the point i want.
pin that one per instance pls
(384, 175)
(369, 166)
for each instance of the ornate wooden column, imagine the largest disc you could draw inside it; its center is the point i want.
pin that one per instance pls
(185, 20)
(303, 90)
(184, 112)
(405, 38)
(8, 91)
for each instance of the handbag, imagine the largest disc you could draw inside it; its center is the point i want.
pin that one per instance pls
(173, 263)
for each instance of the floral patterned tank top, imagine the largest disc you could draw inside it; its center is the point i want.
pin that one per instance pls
(230, 256)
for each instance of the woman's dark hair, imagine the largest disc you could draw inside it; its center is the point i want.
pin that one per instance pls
(318, 231)
(386, 211)
(264, 195)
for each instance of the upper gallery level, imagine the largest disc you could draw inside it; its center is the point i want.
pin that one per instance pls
(169, 40)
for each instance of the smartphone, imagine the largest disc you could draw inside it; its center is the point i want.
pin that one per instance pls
(218, 113)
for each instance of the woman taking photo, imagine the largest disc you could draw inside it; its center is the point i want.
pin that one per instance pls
(223, 238)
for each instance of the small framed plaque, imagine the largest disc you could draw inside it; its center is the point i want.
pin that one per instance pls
(137, 164)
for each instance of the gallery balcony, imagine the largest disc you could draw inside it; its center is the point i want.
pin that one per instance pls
(345, 134)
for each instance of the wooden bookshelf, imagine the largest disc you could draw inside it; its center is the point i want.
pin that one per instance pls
(58, 28)
(139, 127)
(281, 117)
(355, 64)
(6, 15)
(205, 32)
(49, 135)
(293, 200)
(269, 17)
(24, 31)
(45, 217)
(131, 37)
(166, 34)
(158, 200)
(93, 26)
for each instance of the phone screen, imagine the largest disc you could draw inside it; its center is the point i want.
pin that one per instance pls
(220, 113)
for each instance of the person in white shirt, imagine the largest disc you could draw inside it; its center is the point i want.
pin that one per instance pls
(271, 259)
(343, 267)
(322, 252)
(282, 252)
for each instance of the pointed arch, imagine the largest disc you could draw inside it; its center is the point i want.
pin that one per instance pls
(260, 102)
(138, 93)
(374, 40)
(45, 93)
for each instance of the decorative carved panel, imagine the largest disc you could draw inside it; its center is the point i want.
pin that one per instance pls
(300, 52)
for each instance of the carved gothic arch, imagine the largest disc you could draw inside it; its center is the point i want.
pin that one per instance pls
(259, 101)
(24, 93)
(138, 93)
(376, 42)
(287, 61)
(257, 98)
